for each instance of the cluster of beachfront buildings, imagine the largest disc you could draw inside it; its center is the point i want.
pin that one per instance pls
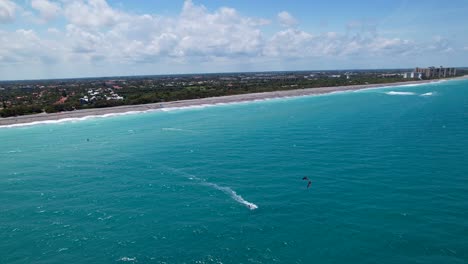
(100, 93)
(431, 72)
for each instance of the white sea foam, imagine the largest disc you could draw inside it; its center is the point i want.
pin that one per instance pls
(74, 119)
(127, 259)
(399, 93)
(78, 119)
(201, 106)
(428, 94)
(189, 107)
(164, 109)
(413, 84)
(173, 129)
(399, 86)
(105, 218)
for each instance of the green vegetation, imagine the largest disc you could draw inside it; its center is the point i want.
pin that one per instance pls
(31, 97)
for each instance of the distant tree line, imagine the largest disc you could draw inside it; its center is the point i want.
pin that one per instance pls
(33, 99)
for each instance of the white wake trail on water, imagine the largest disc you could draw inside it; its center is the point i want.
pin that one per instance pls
(233, 195)
(428, 94)
(236, 197)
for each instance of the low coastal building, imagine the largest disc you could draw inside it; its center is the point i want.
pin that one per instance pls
(100, 94)
(114, 97)
(84, 100)
(412, 75)
(386, 75)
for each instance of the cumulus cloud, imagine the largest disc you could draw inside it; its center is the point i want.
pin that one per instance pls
(286, 20)
(84, 41)
(53, 31)
(47, 9)
(92, 13)
(289, 42)
(200, 33)
(298, 44)
(195, 32)
(440, 44)
(7, 11)
(25, 46)
(221, 33)
(98, 32)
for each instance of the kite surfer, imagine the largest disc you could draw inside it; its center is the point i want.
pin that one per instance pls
(305, 178)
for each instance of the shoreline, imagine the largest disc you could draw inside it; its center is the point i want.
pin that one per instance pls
(102, 112)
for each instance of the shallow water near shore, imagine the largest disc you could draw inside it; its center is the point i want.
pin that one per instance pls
(224, 184)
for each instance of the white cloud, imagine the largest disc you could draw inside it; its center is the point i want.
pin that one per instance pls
(47, 9)
(221, 33)
(92, 13)
(99, 33)
(7, 11)
(289, 43)
(440, 44)
(295, 43)
(286, 19)
(392, 46)
(83, 41)
(96, 30)
(196, 32)
(25, 46)
(53, 31)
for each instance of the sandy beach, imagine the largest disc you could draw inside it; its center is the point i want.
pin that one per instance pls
(194, 102)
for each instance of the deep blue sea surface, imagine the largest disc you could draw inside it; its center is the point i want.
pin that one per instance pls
(388, 170)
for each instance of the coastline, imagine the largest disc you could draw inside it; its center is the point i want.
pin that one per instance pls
(96, 112)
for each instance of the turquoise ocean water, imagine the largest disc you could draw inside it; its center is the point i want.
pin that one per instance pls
(389, 172)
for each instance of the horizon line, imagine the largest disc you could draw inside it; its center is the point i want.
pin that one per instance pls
(206, 73)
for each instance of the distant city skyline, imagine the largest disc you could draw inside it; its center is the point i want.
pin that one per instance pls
(41, 39)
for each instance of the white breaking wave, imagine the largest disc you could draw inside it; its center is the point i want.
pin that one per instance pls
(189, 107)
(167, 109)
(171, 129)
(126, 259)
(428, 94)
(74, 119)
(399, 93)
(399, 86)
(175, 129)
(413, 84)
(201, 106)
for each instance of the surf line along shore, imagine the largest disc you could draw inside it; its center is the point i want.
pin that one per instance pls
(39, 118)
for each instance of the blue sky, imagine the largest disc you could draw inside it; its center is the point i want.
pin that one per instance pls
(82, 38)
